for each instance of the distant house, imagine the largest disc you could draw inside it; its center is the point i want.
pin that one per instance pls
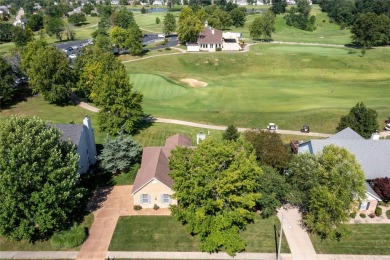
(372, 154)
(158, 2)
(75, 11)
(82, 137)
(212, 40)
(152, 184)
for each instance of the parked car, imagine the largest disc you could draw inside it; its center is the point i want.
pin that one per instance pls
(305, 129)
(272, 127)
(387, 127)
(72, 56)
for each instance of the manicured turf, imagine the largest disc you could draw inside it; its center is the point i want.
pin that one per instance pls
(7, 245)
(287, 85)
(365, 239)
(126, 178)
(164, 233)
(388, 214)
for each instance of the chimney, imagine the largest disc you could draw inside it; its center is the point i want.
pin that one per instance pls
(90, 139)
(375, 136)
(212, 31)
(206, 24)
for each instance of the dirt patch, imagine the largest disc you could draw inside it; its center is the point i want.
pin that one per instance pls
(194, 83)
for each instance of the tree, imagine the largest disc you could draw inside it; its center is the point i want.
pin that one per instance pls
(21, 36)
(119, 37)
(77, 18)
(263, 26)
(51, 75)
(157, 20)
(104, 80)
(169, 23)
(123, 18)
(87, 8)
(35, 22)
(279, 6)
(7, 81)
(361, 119)
(39, 189)
(119, 153)
(189, 29)
(382, 187)
(371, 30)
(134, 40)
(231, 133)
(299, 16)
(330, 182)
(269, 148)
(55, 26)
(103, 43)
(216, 186)
(238, 16)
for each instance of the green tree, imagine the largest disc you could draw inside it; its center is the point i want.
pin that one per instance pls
(119, 37)
(103, 43)
(238, 16)
(119, 153)
(39, 187)
(51, 75)
(169, 23)
(21, 36)
(158, 20)
(123, 18)
(216, 186)
(361, 119)
(134, 40)
(279, 6)
(55, 26)
(269, 148)
(35, 22)
(371, 30)
(263, 26)
(189, 29)
(77, 18)
(29, 51)
(7, 80)
(104, 80)
(87, 8)
(231, 133)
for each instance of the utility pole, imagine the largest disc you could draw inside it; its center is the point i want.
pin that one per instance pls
(280, 238)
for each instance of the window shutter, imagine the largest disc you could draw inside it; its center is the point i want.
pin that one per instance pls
(140, 199)
(368, 205)
(170, 201)
(162, 198)
(149, 199)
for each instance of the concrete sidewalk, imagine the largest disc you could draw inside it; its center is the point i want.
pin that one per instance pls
(38, 254)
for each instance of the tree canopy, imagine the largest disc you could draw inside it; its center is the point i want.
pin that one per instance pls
(238, 16)
(361, 119)
(169, 23)
(123, 18)
(263, 26)
(7, 80)
(231, 133)
(216, 186)
(77, 18)
(279, 6)
(55, 27)
(39, 180)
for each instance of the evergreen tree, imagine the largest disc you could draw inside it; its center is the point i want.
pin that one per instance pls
(231, 133)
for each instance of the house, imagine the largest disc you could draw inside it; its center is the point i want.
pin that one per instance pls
(372, 154)
(152, 184)
(75, 11)
(212, 40)
(82, 137)
(157, 2)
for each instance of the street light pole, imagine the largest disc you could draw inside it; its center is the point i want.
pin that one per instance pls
(280, 238)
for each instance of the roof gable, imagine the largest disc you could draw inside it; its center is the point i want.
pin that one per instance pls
(210, 36)
(70, 132)
(346, 134)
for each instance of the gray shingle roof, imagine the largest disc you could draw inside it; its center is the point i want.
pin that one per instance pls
(70, 132)
(210, 36)
(346, 134)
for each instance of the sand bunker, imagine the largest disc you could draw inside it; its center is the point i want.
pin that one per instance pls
(194, 83)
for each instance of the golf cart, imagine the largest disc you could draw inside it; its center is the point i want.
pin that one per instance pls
(305, 129)
(272, 127)
(387, 127)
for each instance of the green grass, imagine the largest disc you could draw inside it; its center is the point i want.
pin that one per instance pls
(164, 233)
(126, 178)
(388, 214)
(7, 245)
(365, 239)
(287, 85)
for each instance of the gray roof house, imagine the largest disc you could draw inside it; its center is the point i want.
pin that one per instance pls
(372, 154)
(82, 137)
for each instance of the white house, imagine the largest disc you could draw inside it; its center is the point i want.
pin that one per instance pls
(83, 138)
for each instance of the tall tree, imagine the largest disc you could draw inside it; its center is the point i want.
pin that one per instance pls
(35, 21)
(189, 29)
(279, 6)
(361, 119)
(119, 37)
(371, 30)
(263, 26)
(216, 186)
(134, 40)
(231, 133)
(7, 80)
(77, 18)
(238, 16)
(39, 188)
(55, 26)
(169, 23)
(51, 75)
(123, 18)
(269, 148)
(21, 36)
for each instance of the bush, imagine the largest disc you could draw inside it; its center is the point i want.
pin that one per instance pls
(352, 215)
(378, 211)
(362, 215)
(69, 238)
(156, 207)
(218, 49)
(167, 49)
(382, 203)
(388, 214)
(137, 207)
(94, 14)
(371, 215)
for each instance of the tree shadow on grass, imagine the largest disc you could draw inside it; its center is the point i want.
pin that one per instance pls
(22, 93)
(145, 122)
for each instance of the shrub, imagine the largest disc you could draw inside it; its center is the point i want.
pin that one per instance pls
(371, 215)
(167, 49)
(218, 49)
(382, 187)
(382, 203)
(352, 215)
(378, 211)
(388, 214)
(137, 207)
(362, 215)
(156, 207)
(69, 238)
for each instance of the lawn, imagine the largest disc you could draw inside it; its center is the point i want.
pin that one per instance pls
(287, 85)
(126, 178)
(365, 239)
(164, 233)
(7, 245)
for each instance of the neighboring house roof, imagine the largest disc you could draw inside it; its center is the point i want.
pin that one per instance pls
(210, 36)
(371, 192)
(372, 155)
(70, 132)
(155, 161)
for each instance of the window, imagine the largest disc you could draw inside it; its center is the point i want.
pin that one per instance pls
(211, 46)
(145, 199)
(364, 206)
(165, 199)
